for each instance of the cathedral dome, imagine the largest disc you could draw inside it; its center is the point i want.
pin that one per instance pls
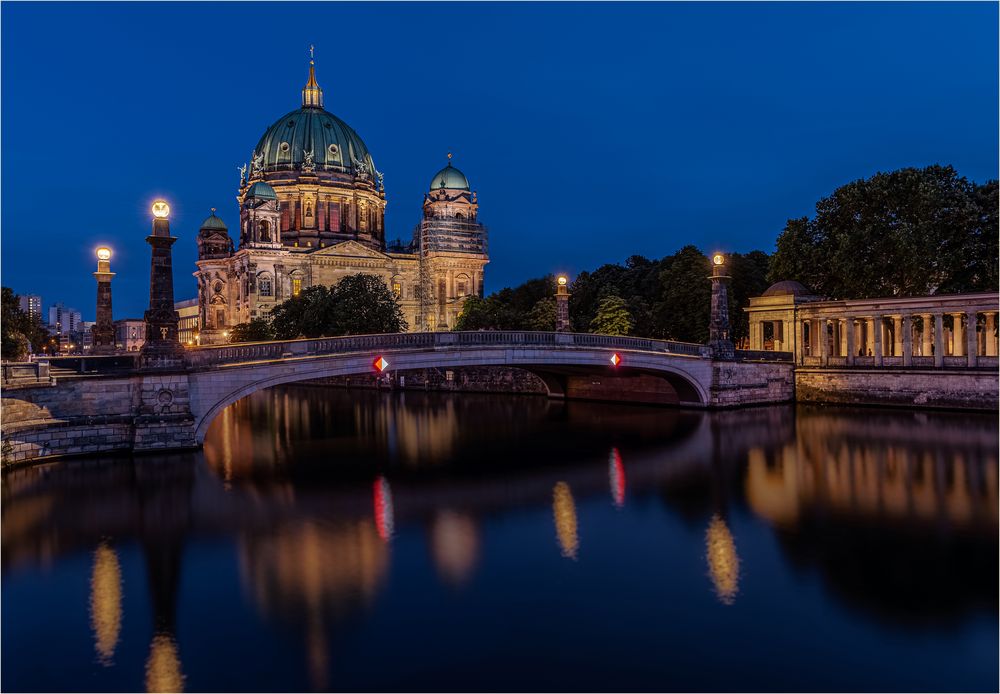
(261, 191)
(214, 222)
(332, 142)
(450, 177)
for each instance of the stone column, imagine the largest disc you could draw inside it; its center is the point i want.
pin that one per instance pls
(162, 348)
(842, 339)
(897, 336)
(799, 341)
(562, 305)
(907, 341)
(824, 342)
(718, 327)
(958, 336)
(870, 336)
(849, 340)
(877, 335)
(970, 338)
(991, 342)
(788, 337)
(938, 339)
(104, 327)
(925, 335)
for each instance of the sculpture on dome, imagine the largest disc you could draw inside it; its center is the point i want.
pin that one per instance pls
(307, 160)
(243, 173)
(381, 180)
(257, 163)
(360, 168)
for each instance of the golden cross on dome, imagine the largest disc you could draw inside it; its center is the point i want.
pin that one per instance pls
(449, 157)
(213, 210)
(311, 53)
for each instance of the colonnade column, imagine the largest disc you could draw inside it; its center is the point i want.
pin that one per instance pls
(824, 342)
(788, 344)
(877, 335)
(849, 340)
(870, 336)
(897, 335)
(958, 336)
(799, 341)
(938, 339)
(907, 340)
(970, 338)
(925, 335)
(991, 343)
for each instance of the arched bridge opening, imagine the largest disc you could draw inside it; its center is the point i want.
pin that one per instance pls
(570, 365)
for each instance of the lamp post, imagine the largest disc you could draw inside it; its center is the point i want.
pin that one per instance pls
(718, 328)
(103, 330)
(562, 304)
(162, 348)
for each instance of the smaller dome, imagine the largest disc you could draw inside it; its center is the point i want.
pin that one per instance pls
(787, 288)
(214, 222)
(262, 191)
(450, 177)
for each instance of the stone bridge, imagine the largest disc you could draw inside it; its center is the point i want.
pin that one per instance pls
(93, 404)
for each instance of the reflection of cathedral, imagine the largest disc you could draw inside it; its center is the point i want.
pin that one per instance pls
(312, 211)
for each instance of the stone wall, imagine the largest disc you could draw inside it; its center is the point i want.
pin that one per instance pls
(92, 414)
(904, 387)
(748, 383)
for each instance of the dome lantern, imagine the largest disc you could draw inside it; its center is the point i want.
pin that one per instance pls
(312, 94)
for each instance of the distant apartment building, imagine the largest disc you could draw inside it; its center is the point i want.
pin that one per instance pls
(187, 327)
(32, 305)
(130, 334)
(64, 320)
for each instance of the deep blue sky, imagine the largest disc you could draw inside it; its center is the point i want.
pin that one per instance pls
(590, 131)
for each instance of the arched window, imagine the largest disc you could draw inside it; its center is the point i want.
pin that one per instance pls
(265, 231)
(264, 285)
(462, 285)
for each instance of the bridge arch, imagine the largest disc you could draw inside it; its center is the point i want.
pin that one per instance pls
(215, 389)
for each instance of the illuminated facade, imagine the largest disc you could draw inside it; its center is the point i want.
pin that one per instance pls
(312, 211)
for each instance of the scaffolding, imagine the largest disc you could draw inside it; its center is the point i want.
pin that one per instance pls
(443, 235)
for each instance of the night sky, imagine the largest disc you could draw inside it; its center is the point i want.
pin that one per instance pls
(591, 132)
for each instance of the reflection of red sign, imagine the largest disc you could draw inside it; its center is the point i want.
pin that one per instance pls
(615, 359)
(383, 508)
(380, 364)
(616, 477)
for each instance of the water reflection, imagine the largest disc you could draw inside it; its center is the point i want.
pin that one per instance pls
(616, 478)
(454, 546)
(895, 512)
(564, 515)
(723, 562)
(105, 602)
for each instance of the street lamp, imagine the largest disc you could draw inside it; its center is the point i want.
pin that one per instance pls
(718, 259)
(103, 253)
(161, 209)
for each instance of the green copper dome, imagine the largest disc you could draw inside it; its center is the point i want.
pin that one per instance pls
(450, 177)
(334, 144)
(262, 191)
(214, 222)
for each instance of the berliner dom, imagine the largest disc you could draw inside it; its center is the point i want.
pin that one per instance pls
(312, 211)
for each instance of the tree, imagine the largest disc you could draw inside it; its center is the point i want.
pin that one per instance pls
(364, 304)
(907, 232)
(613, 317)
(357, 305)
(20, 332)
(542, 315)
(257, 330)
(687, 297)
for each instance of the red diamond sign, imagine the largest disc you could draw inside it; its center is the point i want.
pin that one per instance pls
(615, 359)
(381, 364)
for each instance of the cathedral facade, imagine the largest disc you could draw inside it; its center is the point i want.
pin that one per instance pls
(312, 211)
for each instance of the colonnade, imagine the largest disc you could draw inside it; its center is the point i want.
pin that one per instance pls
(918, 338)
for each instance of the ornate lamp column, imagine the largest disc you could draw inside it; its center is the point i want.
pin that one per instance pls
(562, 305)
(718, 327)
(162, 348)
(104, 327)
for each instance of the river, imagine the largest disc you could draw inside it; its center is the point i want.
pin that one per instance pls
(327, 539)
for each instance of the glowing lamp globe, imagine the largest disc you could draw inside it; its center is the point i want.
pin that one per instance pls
(104, 254)
(562, 280)
(718, 259)
(161, 209)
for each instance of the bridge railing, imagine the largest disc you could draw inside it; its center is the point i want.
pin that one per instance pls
(266, 351)
(763, 355)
